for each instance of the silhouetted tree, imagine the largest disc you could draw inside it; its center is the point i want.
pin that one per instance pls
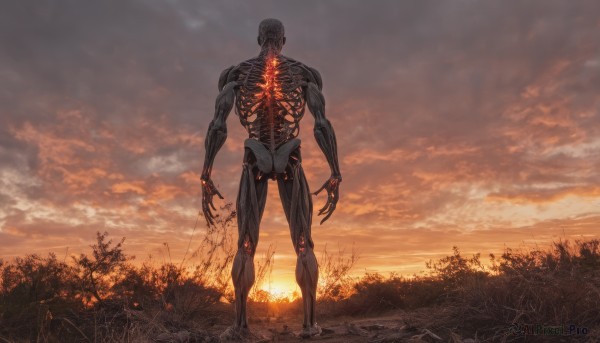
(95, 272)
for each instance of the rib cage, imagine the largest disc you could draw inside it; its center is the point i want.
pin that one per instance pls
(270, 100)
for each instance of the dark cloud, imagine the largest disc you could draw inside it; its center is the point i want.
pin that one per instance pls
(478, 121)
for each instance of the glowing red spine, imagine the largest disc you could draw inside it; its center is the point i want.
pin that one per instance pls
(271, 92)
(271, 88)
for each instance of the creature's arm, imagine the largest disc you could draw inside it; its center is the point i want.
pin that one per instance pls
(325, 136)
(215, 138)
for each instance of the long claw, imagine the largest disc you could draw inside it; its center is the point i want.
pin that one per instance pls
(326, 217)
(331, 186)
(324, 207)
(207, 215)
(209, 212)
(208, 191)
(320, 189)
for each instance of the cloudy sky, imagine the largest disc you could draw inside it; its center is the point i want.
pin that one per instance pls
(468, 123)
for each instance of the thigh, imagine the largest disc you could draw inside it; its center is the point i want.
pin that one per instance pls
(297, 203)
(251, 200)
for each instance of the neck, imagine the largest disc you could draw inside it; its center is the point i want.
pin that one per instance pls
(269, 49)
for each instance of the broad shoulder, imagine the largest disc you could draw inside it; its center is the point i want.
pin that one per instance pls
(311, 74)
(233, 72)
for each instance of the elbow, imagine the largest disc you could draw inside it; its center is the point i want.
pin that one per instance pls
(321, 123)
(218, 127)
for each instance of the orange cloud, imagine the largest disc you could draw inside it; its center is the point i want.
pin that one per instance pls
(125, 187)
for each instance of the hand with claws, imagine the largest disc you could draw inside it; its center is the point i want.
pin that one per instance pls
(332, 187)
(208, 191)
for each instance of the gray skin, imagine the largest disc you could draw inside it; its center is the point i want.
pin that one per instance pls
(270, 106)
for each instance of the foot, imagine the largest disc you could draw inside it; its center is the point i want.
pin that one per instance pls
(238, 334)
(310, 331)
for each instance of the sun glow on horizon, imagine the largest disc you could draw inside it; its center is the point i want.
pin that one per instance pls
(281, 291)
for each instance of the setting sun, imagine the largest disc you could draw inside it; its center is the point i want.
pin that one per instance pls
(282, 292)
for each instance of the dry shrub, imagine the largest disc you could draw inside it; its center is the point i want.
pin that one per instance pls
(335, 280)
(557, 286)
(103, 297)
(29, 288)
(264, 270)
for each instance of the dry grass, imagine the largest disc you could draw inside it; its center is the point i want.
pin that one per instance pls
(103, 297)
(559, 286)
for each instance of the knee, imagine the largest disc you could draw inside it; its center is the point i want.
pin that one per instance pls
(247, 246)
(301, 245)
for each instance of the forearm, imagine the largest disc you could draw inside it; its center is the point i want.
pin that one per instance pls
(215, 138)
(324, 133)
(325, 137)
(217, 129)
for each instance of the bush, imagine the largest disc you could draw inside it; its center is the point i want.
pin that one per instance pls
(558, 286)
(103, 297)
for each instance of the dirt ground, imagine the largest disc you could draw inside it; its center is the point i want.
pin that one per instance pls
(390, 328)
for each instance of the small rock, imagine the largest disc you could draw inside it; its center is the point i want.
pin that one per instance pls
(426, 336)
(374, 327)
(164, 337)
(310, 331)
(234, 334)
(456, 338)
(430, 336)
(355, 330)
(182, 336)
(327, 331)
(391, 338)
(286, 331)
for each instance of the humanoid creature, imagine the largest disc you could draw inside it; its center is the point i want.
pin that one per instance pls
(269, 93)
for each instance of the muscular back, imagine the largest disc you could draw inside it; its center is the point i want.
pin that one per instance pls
(270, 96)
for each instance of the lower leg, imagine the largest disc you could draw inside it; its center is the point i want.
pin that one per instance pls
(243, 277)
(297, 202)
(307, 274)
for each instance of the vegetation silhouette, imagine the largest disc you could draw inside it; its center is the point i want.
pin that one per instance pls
(104, 297)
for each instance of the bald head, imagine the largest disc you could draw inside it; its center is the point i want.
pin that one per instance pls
(271, 34)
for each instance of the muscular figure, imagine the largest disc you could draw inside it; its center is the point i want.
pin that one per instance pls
(269, 93)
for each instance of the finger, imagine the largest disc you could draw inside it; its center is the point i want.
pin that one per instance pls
(209, 221)
(210, 212)
(206, 214)
(331, 209)
(324, 208)
(336, 196)
(327, 209)
(210, 218)
(212, 205)
(325, 218)
(214, 190)
(328, 203)
(320, 189)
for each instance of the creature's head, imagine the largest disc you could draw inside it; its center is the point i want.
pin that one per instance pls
(271, 34)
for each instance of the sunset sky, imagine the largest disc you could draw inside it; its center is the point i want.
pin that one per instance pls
(467, 123)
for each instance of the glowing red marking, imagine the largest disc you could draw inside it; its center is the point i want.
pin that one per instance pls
(271, 89)
(247, 245)
(301, 243)
(270, 93)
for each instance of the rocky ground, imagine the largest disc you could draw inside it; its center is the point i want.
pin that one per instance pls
(392, 328)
